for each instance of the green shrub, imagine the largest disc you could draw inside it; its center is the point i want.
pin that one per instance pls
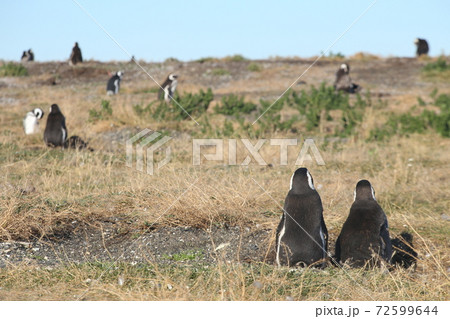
(317, 102)
(234, 105)
(220, 72)
(194, 104)
(438, 66)
(438, 70)
(13, 69)
(405, 124)
(254, 67)
(337, 55)
(180, 108)
(270, 118)
(235, 58)
(104, 112)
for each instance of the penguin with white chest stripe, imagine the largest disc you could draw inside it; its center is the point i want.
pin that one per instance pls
(55, 133)
(113, 85)
(302, 237)
(168, 88)
(364, 236)
(31, 121)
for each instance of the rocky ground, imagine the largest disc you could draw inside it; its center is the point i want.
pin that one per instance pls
(181, 245)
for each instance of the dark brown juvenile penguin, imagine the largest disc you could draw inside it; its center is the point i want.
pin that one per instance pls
(75, 56)
(403, 251)
(302, 237)
(422, 47)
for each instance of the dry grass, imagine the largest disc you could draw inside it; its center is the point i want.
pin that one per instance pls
(43, 191)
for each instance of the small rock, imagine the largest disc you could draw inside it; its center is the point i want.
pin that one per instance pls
(445, 217)
(120, 281)
(289, 298)
(223, 245)
(257, 284)
(169, 286)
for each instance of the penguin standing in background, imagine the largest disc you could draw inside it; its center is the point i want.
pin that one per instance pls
(365, 232)
(24, 57)
(113, 85)
(343, 82)
(168, 88)
(27, 56)
(31, 121)
(403, 251)
(55, 133)
(30, 55)
(302, 237)
(75, 56)
(422, 47)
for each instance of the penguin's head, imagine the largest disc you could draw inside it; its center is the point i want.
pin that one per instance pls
(172, 76)
(416, 41)
(119, 74)
(38, 113)
(345, 67)
(364, 190)
(54, 109)
(302, 181)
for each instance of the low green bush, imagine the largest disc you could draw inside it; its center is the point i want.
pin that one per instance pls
(234, 105)
(104, 112)
(13, 69)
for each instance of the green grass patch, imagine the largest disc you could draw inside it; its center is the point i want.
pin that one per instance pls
(254, 67)
(437, 70)
(405, 124)
(13, 69)
(219, 72)
(234, 105)
(105, 112)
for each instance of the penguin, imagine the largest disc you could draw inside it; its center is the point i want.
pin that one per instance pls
(31, 121)
(302, 237)
(55, 133)
(168, 88)
(365, 231)
(113, 85)
(343, 82)
(77, 143)
(30, 55)
(422, 47)
(24, 57)
(75, 56)
(403, 251)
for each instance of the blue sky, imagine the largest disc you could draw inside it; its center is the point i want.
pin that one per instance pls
(188, 30)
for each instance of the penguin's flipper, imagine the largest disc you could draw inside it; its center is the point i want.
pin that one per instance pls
(386, 247)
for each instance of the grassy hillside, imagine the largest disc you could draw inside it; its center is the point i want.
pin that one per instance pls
(84, 225)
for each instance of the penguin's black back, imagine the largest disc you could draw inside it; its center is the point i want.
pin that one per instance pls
(422, 47)
(55, 133)
(304, 237)
(365, 231)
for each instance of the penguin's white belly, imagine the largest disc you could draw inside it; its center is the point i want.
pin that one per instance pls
(30, 125)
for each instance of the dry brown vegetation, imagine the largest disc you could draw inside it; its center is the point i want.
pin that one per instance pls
(43, 192)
